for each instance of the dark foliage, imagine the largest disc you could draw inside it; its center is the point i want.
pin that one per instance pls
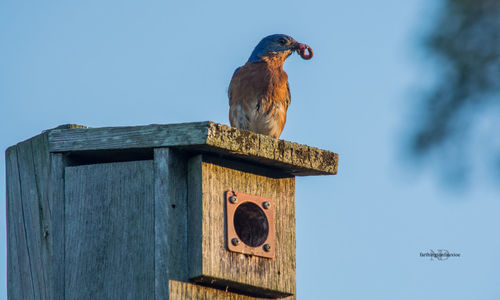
(466, 41)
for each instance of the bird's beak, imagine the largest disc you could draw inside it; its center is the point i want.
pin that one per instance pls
(301, 50)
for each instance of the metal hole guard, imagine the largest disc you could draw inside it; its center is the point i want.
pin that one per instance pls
(250, 224)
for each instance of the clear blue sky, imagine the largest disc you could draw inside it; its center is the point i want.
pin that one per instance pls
(359, 234)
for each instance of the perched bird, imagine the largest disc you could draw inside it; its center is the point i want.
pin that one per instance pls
(259, 94)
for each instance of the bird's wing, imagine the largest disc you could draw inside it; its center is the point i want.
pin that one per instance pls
(232, 86)
(241, 94)
(288, 98)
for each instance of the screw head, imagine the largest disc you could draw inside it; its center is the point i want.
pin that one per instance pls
(235, 241)
(233, 199)
(266, 205)
(267, 247)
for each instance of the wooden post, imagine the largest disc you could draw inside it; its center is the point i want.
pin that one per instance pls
(140, 212)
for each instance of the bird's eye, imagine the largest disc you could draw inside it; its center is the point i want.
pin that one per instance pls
(282, 41)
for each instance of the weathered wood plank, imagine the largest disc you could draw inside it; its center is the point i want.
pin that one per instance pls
(19, 274)
(56, 231)
(33, 207)
(41, 168)
(183, 290)
(109, 245)
(195, 215)
(171, 247)
(210, 262)
(106, 138)
(33, 171)
(296, 159)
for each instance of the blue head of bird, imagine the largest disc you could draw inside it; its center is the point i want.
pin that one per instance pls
(275, 45)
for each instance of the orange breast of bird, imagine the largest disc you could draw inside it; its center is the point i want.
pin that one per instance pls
(259, 96)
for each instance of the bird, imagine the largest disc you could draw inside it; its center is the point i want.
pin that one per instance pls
(259, 93)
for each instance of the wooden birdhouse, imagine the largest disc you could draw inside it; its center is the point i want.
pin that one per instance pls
(180, 211)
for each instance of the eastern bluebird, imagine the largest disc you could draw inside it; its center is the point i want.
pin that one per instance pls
(259, 94)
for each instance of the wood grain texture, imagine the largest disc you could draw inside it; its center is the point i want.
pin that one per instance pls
(171, 260)
(183, 290)
(31, 193)
(35, 202)
(149, 136)
(19, 275)
(195, 215)
(109, 231)
(208, 137)
(32, 209)
(41, 174)
(56, 231)
(210, 261)
(293, 158)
